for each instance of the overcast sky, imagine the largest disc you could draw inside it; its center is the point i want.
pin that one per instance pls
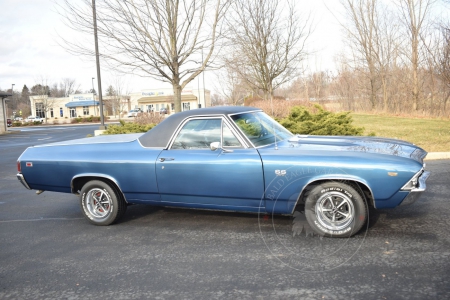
(29, 51)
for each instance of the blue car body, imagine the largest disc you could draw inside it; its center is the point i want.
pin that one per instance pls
(151, 169)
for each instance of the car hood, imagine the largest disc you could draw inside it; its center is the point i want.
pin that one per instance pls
(356, 144)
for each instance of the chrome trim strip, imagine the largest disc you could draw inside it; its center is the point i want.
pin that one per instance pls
(23, 181)
(244, 135)
(417, 175)
(422, 182)
(235, 133)
(221, 117)
(245, 112)
(96, 175)
(415, 194)
(185, 120)
(155, 148)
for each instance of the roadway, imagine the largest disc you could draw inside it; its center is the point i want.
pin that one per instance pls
(48, 250)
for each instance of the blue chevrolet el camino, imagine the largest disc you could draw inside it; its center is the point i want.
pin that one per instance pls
(232, 159)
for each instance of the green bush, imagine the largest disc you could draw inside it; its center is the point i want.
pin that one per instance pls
(125, 128)
(318, 121)
(16, 124)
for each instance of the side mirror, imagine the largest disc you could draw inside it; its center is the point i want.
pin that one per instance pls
(214, 146)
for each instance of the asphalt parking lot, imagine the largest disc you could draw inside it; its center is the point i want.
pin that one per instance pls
(48, 250)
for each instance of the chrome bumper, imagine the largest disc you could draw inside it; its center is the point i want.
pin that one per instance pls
(415, 193)
(22, 180)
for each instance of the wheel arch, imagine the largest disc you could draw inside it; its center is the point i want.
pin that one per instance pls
(80, 180)
(362, 186)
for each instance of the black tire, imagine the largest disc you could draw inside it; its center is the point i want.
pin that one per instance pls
(101, 204)
(335, 209)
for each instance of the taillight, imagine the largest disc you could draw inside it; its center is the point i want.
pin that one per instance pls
(18, 167)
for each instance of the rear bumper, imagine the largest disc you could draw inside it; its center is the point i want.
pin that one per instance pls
(23, 181)
(415, 193)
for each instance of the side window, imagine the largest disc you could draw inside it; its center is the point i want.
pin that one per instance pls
(229, 140)
(198, 134)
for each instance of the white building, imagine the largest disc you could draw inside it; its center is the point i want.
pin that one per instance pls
(86, 105)
(3, 116)
(76, 106)
(154, 99)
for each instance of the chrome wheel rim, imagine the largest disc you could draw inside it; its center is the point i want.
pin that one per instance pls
(335, 211)
(98, 203)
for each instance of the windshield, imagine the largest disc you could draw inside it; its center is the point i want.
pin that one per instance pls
(260, 128)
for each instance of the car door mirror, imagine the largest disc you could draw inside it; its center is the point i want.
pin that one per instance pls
(215, 145)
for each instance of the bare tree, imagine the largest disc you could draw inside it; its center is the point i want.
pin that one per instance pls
(387, 52)
(117, 99)
(439, 61)
(165, 40)
(69, 86)
(415, 14)
(231, 86)
(267, 39)
(43, 102)
(361, 27)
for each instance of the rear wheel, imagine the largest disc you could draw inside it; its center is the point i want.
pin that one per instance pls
(100, 203)
(335, 209)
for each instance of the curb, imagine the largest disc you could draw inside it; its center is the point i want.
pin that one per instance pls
(437, 155)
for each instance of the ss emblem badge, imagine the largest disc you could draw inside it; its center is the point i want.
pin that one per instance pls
(280, 172)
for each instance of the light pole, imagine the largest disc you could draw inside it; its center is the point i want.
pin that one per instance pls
(12, 98)
(97, 58)
(93, 94)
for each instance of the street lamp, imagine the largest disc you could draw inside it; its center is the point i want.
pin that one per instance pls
(93, 94)
(12, 97)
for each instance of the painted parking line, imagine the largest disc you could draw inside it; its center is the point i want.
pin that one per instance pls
(40, 129)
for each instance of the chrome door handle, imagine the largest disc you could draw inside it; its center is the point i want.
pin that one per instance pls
(164, 159)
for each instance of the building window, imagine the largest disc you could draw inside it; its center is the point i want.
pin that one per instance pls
(73, 112)
(150, 108)
(186, 106)
(40, 110)
(51, 113)
(61, 112)
(86, 110)
(173, 106)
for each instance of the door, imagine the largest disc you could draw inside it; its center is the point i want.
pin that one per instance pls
(190, 174)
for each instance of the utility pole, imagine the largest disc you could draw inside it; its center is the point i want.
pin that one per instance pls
(97, 58)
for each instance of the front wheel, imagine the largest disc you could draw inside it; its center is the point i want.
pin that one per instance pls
(335, 209)
(100, 203)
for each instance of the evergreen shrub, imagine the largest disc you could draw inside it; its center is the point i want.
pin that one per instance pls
(125, 128)
(318, 121)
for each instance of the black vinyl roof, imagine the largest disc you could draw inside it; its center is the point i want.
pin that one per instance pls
(160, 135)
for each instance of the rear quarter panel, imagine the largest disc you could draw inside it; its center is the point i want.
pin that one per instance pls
(130, 165)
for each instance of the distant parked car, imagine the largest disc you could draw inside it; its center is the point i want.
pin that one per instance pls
(163, 111)
(134, 112)
(18, 119)
(8, 122)
(34, 119)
